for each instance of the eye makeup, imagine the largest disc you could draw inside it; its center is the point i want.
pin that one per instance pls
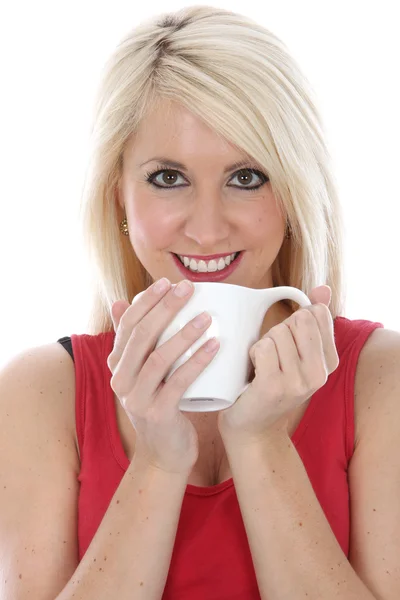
(163, 168)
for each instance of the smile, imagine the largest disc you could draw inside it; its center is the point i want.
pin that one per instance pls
(207, 266)
(211, 270)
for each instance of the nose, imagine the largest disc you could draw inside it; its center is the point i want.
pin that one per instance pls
(207, 223)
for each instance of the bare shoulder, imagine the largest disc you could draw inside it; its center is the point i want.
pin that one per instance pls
(48, 370)
(39, 469)
(374, 468)
(377, 374)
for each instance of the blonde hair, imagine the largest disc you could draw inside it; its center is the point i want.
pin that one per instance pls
(240, 79)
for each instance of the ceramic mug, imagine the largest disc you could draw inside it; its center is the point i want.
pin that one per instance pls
(237, 316)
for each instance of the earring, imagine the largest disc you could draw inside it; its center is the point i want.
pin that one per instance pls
(123, 227)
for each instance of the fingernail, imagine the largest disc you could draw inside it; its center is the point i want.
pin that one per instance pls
(212, 345)
(161, 286)
(201, 320)
(183, 288)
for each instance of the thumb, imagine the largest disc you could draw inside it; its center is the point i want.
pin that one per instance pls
(117, 310)
(321, 294)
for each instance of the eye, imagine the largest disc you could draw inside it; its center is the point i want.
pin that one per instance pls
(168, 176)
(245, 176)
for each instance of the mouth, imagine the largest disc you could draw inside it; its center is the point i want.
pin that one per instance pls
(218, 269)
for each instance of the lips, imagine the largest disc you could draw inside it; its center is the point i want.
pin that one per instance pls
(212, 276)
(208, 257)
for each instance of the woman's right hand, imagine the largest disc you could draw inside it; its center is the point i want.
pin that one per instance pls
(165, 438)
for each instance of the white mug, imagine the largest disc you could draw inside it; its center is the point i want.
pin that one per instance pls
(237, 316)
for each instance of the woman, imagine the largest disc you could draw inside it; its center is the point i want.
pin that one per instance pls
(208, 163)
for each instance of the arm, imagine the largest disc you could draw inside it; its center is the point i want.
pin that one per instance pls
(39, 493)
(136, 535)
(295, 553)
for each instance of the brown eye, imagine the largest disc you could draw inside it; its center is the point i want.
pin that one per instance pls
(168, 177)
(245, 176)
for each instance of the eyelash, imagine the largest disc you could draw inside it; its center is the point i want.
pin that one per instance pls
(151, 175)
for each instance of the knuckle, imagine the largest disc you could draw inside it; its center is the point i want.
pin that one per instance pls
(168, 302)
(189, 332)
(125, 320)
(111, 362)
(116, 385)
(123, 401)
(141, 330)
(322, 314)
(178, 382)
(157, 360)
(127, 400)
(336, 362)
(304, 316)
(321, 309)
(322, 378)
(201, 358)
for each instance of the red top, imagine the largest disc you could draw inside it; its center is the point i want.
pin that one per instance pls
(211, 556)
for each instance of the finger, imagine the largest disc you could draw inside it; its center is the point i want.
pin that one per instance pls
(312, 371)
(144, 335)
(117, 310)
(161, 360)
(137, 310)
(172, 391)
(281, 350)
(322, 293)
(326, 327)
(306, 337)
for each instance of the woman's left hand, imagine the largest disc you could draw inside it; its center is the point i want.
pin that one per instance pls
(291, 361)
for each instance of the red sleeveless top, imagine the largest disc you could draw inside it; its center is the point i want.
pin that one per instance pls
(211, 556)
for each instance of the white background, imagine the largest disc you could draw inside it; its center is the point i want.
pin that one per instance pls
(51, 54)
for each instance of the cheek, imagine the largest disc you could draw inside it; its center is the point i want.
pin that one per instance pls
(265, 222)
(152, 224)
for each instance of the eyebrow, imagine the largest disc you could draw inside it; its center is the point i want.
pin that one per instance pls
(177, 165)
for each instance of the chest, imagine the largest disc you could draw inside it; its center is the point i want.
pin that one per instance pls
(212, 466)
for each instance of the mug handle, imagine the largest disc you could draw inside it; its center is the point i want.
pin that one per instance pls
(282, 293)
(285, 292)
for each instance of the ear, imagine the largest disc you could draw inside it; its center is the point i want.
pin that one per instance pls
(118, 197)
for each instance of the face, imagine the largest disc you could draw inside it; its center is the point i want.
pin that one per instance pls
(205, 208)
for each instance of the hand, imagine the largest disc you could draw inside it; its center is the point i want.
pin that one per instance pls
(292, 361)
(166, 439)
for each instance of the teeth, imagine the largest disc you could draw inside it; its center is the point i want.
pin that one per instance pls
(210, 266)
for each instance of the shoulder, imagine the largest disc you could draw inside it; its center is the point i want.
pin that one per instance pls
(377, 380)
(374, 469)
(40, 384)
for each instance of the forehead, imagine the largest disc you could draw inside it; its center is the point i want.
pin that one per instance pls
(172, 130)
